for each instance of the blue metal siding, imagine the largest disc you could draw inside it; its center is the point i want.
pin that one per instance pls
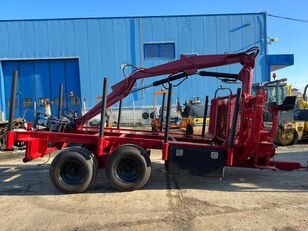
(2, 92)
(68, 38)
(4, 38)
(103, 44)
(8, 69)
(41, 45)
(26, 79)
(40, 79)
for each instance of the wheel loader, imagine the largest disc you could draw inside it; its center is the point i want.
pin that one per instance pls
(292, 125)
(301, 115)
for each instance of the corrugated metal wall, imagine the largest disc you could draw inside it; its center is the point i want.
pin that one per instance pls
(103, 44)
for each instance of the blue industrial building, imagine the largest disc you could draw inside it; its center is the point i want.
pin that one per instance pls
(80, 52)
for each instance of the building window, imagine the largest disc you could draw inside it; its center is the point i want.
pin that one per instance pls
(28, 102)
(159, 50)
(74, 100)
(56, 101)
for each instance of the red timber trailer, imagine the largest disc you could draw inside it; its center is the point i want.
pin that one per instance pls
(236, 134)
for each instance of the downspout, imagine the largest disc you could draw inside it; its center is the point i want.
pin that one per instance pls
(267, 69)
(133, 49)
(3, 108)
(140, 55)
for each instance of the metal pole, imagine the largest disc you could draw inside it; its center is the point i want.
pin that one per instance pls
(60, 102)
(205, 114)
(277, 94)
(134, 116)
(13, 100)
(84, 106)
(119, 114)
(34, 105)
(2, 92)
(234, 119)
(162, 112)
(167, 125)
(103, 111)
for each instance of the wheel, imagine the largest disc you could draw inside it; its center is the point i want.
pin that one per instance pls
(93, 158)
(286, 138)
(128, 168)
(73, 170)
(145, 115)
(69, 114)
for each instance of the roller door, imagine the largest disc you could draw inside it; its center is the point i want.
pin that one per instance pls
(38, 82)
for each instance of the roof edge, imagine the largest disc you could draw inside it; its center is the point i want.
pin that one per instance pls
(129, 17)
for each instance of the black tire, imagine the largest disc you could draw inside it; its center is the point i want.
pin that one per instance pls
(128, 168)
(94, 160)
(145, 115)
(285, 142)
(73, 170)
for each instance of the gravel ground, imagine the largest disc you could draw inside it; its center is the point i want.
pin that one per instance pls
(245, 199)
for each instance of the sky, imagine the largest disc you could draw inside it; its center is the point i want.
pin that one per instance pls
(292, 35)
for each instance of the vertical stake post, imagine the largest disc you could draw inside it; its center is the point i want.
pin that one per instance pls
(103, 111)
(205, 114)
(13, 100)
(60, 102)
(235, 116)
(119, 114)
(233, 127)
(162, 112)
(167, 125)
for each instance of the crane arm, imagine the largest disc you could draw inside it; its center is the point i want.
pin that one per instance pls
(189, 65)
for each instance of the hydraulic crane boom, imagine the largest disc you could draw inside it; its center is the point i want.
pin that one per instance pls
(189, 65)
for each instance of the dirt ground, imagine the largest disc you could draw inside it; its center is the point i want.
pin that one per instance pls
(245, 199)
